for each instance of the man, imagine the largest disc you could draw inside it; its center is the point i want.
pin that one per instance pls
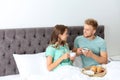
(95, 48)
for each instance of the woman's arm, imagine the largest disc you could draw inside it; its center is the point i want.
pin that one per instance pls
(72, 58)
(78, 51)
(51, 65)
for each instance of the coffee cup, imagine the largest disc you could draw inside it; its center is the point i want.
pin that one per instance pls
(72, 54)
(84, 49)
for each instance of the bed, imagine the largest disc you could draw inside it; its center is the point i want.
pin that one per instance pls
(32, 41)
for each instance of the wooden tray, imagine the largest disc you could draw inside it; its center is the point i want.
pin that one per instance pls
(96, 74)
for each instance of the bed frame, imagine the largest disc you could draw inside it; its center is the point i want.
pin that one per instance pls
(30, 41)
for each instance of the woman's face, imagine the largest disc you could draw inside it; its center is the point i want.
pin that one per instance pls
(64, 36)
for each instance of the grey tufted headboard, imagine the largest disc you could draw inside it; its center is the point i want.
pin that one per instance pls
(30, 41)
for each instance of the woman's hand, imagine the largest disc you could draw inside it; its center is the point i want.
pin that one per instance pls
(79, 51)
(72, 58)
(65, 56)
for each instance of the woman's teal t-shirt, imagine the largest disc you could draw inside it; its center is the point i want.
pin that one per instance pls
(56, 53)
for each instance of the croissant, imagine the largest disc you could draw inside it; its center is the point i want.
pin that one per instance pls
(94, 69)
(97, 69)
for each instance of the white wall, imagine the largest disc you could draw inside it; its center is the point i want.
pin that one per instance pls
(40, 13)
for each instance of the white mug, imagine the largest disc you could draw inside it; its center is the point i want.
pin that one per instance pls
(72, 54)
(84, 49)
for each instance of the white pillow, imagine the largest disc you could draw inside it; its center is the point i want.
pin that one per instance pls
(31, 64)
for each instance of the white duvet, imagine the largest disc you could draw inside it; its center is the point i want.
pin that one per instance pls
(72, 73)
(64, 73)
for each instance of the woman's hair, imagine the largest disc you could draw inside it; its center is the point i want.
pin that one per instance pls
(91, 22)
(58, 29)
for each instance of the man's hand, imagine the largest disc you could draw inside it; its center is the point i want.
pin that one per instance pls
(88, 53)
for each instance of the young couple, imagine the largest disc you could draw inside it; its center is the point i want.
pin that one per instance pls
(58, 53)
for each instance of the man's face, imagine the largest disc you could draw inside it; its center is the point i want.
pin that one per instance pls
(88, 31)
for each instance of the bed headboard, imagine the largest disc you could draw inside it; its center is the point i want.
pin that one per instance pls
(30, 41)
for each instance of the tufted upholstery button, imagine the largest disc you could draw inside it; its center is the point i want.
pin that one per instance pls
(29, 44)
(48, 42)
(14, 37)
(24, 52)
(43, 35)
(3, 38)
(24, 37)
(14, 52)
(3, 55)
(69, 33)
(34, 51)
(34, 36)
(9, 47)
(43, 50)
(14, 69)
(19, 45)
(39, 43)
(9, 62)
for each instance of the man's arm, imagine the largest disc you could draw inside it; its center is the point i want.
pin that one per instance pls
(102, 59)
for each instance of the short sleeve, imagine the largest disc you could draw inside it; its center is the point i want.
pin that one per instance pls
(76, 42)
(103, 46)
(50, 51)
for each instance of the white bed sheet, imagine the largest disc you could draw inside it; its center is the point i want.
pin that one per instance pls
(65, 73)
(72, 73)
(11, 77)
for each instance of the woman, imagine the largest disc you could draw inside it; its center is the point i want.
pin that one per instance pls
(59, 57)
(57, 52)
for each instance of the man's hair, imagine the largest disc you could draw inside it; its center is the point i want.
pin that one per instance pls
(91, 22)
